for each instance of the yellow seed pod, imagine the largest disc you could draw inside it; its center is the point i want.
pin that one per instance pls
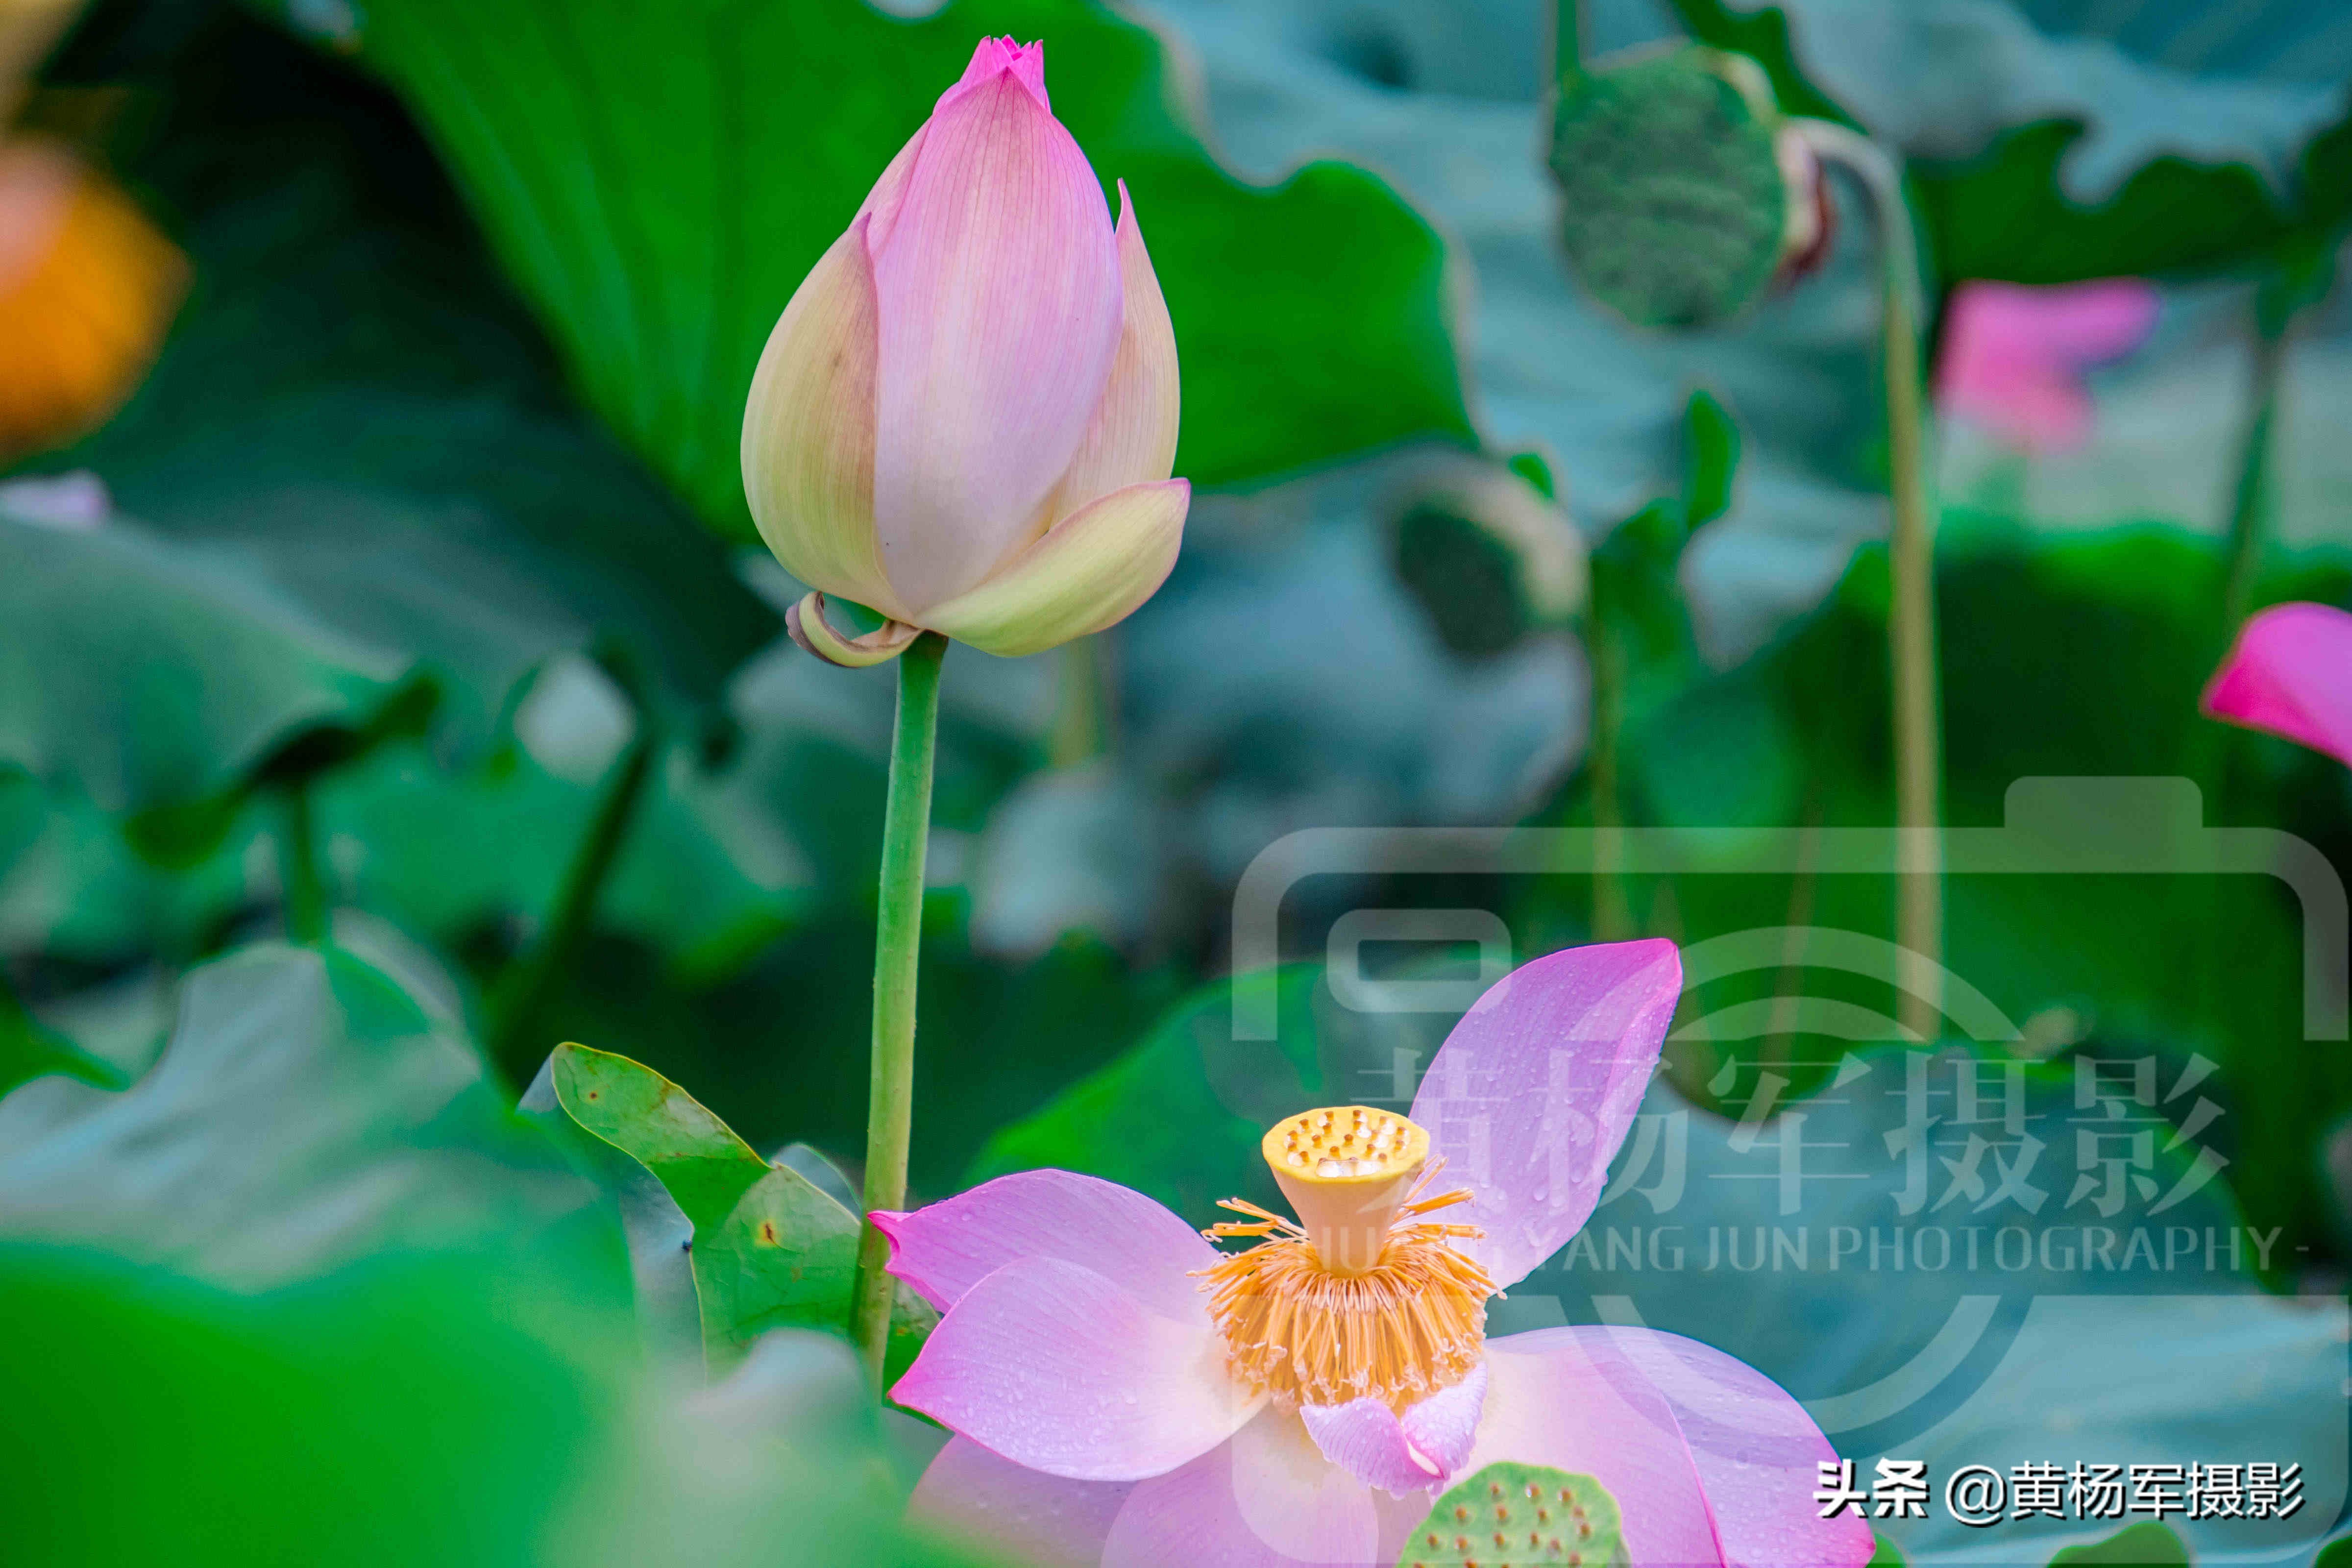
(1346, 1170)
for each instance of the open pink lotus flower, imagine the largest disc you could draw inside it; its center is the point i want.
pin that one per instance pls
(2013, 357)
(966, 416)
(1124, 1394)
(2290, 673)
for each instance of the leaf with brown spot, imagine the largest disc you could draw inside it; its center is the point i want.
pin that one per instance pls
(771, 1249)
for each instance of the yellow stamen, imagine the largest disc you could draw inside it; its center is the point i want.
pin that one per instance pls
(1349, 1302)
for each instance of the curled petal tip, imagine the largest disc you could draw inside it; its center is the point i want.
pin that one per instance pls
(809, 628)
(992, 58)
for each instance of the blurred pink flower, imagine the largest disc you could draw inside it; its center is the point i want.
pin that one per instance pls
(966, 416)
(1126, 1396)
(2291, 674)
(2013, 357)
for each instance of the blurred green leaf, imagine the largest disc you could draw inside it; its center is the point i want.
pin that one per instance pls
(2005, 214)
(29, 1050)
(72, 886)
(660, 180)
(1586, 1533)
(1177, 1117)
(307, 1108)
(1710, 458)
(395, 1414)
(2058, 140)
(1536, 468)
(1884, 1553)
(353, 415)
(163, 688)
(702, 1165)
(2146, 1544)
(1641, 624)
(770, 1250)
(451, 852)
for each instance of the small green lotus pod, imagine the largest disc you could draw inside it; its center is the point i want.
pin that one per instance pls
(1684, 193)
(1519, 1516)
(1489, 555)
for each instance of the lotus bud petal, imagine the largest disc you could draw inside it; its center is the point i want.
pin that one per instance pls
(809, 628)
(954, 404)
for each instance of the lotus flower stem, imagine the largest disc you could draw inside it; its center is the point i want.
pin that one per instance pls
(2250, 502)
(1081, 724)
(898, 942)
(1567, 42)
(1911, 612)
(306, 895)
(1612, 912)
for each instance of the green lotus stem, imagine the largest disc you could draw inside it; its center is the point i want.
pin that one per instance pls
(1911, 611)
(2250, 502)
(306, 895)
(1612, 912)
(527, 985)
(1081, 723)
(1567, 42)
(898, 942)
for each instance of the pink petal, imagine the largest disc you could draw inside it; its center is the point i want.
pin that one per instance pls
(808, 431)
(1132, 437)
(2290, 673)
(993, 57)
(1056, 1368)
(2013, 357)
(1266, 1499)
(1708, 1460)
(975, 1497)
(880, 208)
(1531, 1094)
(2030, 406)
(1421, 1449)
(2094, 322)
(1090, 571)
(998, 280)
(947, 1248)
(2067, 326)
(1572, 1399)
(1757, 1451)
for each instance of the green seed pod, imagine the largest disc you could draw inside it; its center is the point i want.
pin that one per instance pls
(1682, 196)
(1526, 1515)
(1490, 558)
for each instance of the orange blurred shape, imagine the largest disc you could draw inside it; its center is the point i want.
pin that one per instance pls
(88, 288)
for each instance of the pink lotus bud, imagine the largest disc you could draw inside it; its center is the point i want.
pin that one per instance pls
(966, 416)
